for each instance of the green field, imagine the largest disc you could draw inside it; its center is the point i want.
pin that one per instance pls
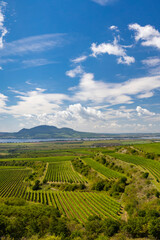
(150, 148)
(11, 182)
(63, 172)
(72, 179)
(107, 172)
(151, 166)
(78, 205)
(41, 159)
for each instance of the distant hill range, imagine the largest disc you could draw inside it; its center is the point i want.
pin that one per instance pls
(47, 132)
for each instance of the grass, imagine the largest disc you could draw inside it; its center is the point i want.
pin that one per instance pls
(150, 148)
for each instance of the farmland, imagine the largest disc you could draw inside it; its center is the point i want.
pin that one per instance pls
(107, 172)
(150, 165)
(84, 183)
(85, 204)
(63, 172)
(11, 182)
(150, 148)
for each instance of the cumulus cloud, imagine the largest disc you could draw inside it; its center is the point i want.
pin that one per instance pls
(39, 107)
(74, 72)
(87, 119)
(114, 93)
(149, 36)
(36, 102)
(112, 49)
(142, 111)
(79, 59)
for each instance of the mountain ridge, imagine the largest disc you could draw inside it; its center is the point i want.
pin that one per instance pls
(48, 132)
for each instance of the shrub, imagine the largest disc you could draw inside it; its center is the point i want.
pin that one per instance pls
(36, 185)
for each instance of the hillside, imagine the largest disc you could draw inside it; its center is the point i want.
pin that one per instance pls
(47, 132)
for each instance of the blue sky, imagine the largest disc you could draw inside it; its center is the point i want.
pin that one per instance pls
(92, 65)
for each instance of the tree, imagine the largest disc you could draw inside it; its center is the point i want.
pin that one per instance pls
(36, 185)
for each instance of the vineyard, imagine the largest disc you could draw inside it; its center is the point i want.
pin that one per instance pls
(63, 172)
(152, 166)
(150, 147)
(107, 172)
(78, 205)
(11, 182)
(74, 205)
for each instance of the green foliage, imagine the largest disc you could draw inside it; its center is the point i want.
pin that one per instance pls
(110, 227)
(145, 175)
(36, 185)
(137, 227)
(25, 221)
(80, 167)
(96, 226)
(154, 228)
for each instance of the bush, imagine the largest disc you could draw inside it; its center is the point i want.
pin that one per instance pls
(110, 227)
(36, 185)
(154, 228)
(137, 227)
(44, 181)
(145, 175)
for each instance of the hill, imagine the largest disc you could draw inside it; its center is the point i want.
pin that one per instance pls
(47, 132)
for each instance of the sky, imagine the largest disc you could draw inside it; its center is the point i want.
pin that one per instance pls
(90, 65)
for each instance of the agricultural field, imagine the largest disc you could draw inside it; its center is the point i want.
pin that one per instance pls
(96, 182)
(63, 172)
(78, 205)
(151, 166)
(107, 172)
(12, 182)
(149, 148)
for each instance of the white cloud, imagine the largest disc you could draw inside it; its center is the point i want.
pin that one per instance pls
(38, 107)
(115, 28)
(3, 29)
(151, 61)
(147, 34)
(79, 59)
(112, 49)
(36, 102)
(114, 93)
(103, 2)
(3, 100)
(32, 44)
(142, 111)
(145, 95)
(88, 119)
(36, 62)
(74, 72)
